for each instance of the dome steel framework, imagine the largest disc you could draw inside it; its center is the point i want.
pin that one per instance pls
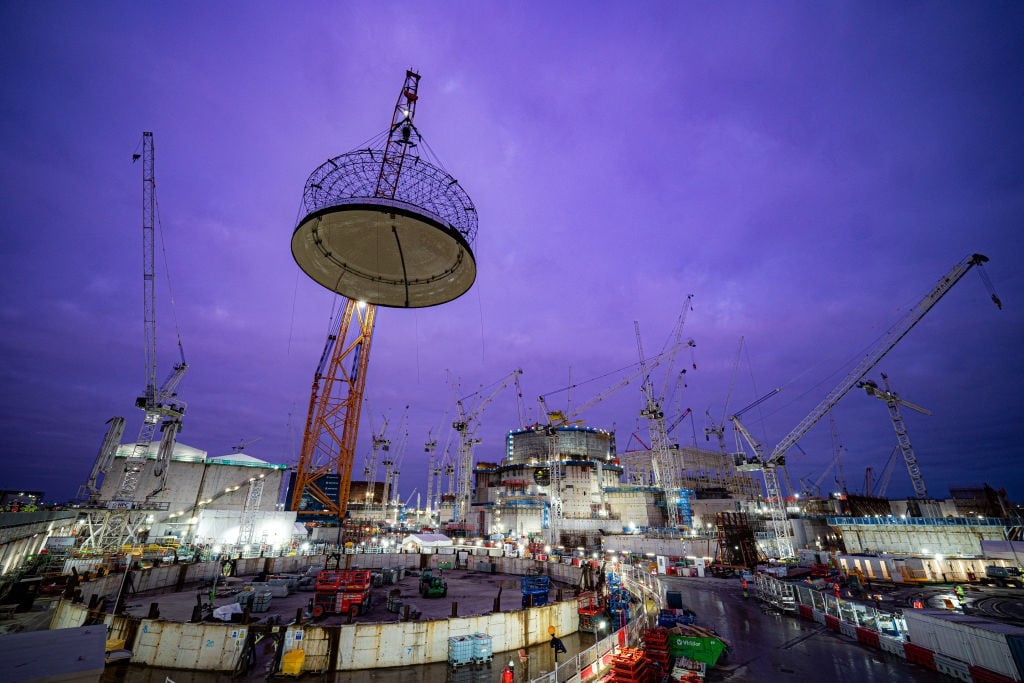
(411, 250)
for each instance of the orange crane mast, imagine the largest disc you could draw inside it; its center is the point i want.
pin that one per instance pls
(332, 424)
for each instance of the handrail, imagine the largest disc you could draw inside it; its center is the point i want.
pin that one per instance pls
(591, 661)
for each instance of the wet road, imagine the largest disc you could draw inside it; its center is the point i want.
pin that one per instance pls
(767, 646)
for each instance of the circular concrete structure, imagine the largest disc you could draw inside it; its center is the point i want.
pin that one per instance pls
(411, 250)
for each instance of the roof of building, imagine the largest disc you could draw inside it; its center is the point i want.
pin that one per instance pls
(181, 451)
(428, 540)
(238, 458)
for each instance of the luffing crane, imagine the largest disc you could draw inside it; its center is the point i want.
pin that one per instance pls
(378, 442)
(164, 410)
(393, 462)
(435, 465)
(768, 464)
(465, 427)
(665, 466)
(894, 402)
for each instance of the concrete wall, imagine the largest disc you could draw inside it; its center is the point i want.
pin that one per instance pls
(190, 483)
(216, 647)
(915, 536)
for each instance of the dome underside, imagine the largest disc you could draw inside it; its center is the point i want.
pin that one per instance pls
(384, 254)
(366, 237)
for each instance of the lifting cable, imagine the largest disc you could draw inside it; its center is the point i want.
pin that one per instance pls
(167, 273)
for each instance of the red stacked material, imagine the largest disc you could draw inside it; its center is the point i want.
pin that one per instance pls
(656, 649)
(690, 677)
(656, 638)
(630, 666)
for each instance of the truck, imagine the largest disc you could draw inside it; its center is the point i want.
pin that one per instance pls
(1004, 576)
(342, 591)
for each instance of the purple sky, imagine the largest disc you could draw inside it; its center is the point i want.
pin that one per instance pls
(808, 171)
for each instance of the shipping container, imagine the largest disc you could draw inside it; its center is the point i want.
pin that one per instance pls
(971, 639)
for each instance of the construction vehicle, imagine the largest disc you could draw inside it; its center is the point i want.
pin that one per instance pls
(1004, 576)
(433, 585)
(342, 591)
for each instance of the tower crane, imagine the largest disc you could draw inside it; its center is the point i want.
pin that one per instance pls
(883, 480)
(163, 409)
(837, 449)
(332, 425)
(393, 463)
(768, 464)
(433, 464)
(893, 401)
(559, 418)
(433, 470)
(465, 427)
(378, 442)
(665, 472)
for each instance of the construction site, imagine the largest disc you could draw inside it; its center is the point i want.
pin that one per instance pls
(557, 520)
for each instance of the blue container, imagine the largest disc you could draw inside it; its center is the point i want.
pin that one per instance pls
(540, 598)
(685, 616)
(460, 650)
(482, 647)
(534, 583)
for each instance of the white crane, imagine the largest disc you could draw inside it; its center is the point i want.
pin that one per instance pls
(164, 410)
(378, 443)
(434, 465)
(893, 401)
(392, 468)
(465, 426)
(769, 463)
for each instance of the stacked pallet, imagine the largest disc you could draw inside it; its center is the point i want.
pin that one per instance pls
(630, 666)
(656, 650)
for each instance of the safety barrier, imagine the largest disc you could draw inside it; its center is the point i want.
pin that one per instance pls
(952, 667)
(595, 660)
